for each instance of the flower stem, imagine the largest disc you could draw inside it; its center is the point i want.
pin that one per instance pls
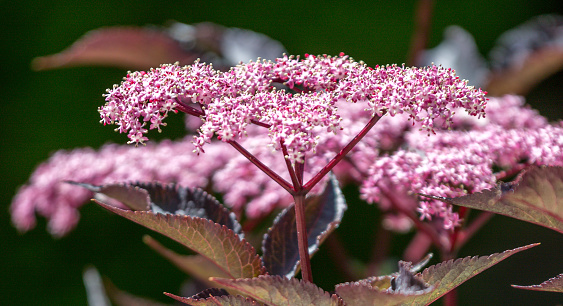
(278, 179)
(310, 184)
(294, 178)
(302, 242)
(419, 40)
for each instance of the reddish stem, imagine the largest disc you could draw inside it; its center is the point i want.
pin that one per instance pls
(310, 184)
(278, 179)
(184, 108)
(510, 172)
(439, 241)
(302, 242)
(339, 255)
(380, 251)
(418, 247)
(423, 20)
(463, 213)
(469, 231)
(294, 177)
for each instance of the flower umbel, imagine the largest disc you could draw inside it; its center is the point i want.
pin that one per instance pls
(296, 110)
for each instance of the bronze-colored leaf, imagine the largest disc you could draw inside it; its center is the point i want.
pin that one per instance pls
(448, 275)
(554, 284)
(236, 257)
(196, 266)
(277, 290)
(214, 297)
(395, 289)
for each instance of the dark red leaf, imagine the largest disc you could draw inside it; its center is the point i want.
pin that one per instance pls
(125, 47)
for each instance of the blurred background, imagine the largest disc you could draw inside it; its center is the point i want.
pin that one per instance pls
(43, 112)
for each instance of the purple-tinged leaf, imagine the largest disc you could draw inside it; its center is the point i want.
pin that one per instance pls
(236, 257)
(213, 297)
(322, 214)
(405, 288)
(554, 284)
(277, 290)
(447, 275)
(536, 196)
(394, 289)
(125, 47)
(196, 266)
(526, 55)
(167, 199)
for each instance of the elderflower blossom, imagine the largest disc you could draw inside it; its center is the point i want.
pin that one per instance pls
(457, 162)
(294, 114)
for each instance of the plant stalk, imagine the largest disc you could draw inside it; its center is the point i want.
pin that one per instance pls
(311, 183)
(302, 242)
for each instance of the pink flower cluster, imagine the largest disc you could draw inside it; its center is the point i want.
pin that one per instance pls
(295, 114)
(47, 194)
(449, 163)
(454, 163)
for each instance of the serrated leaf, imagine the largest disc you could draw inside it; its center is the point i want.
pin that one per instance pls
(439, 280)
(214, 297)
(169, 198)
(124, 47)
(446, 276)
(277, 290)
(554, 284)
(196, 266)
(536, 197)
(236, 257)
(394, 289)
(360, 293)
(323, 214)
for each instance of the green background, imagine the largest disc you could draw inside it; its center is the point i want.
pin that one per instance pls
(46, 111)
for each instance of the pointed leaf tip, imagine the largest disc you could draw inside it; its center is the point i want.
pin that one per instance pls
(448, 275)
(214, 297)
(131, 195)
(166, 199)
(554, 284)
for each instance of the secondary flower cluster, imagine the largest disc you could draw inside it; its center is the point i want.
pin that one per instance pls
(295, 112)
(454, 163)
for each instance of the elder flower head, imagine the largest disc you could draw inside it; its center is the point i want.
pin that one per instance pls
(296, 110)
